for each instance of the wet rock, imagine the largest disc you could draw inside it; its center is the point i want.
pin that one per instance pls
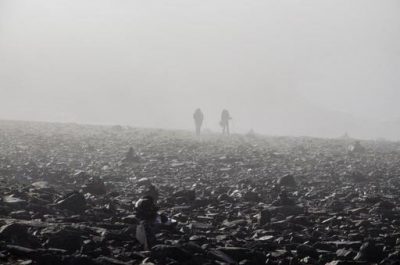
(184, 196)
(342, 262)
(236, 253)
(357, 176)
(17, 234)
(22, 214)
(224, 194)
(221, 256)
(78, 260)
(324, 246)
(224, 197)
(109, 261)
(23, 252)
(95, 186)
(131, 156)
(287, 210)
(284, 200)
(41, 184)
(345, 244)
(345, 254)
(385, 205)
(235, 223)
(130, 219)
(9, 230)
(264, 217)
(162, 252)
(370, 251)
(14, 202)
(307, 251)
(287, 181)
(251, 196)
(63, 238)
(74, 202)
(81, 175)
(200, 226)
(143, 182)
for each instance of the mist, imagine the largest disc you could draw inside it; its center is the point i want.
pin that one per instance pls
(317, 68)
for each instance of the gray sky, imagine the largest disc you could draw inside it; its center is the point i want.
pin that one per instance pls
(280, 67)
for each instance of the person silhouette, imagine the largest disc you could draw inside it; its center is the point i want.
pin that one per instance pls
(198, 120)
(225, 117)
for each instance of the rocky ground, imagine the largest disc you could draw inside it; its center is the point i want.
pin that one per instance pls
(67, 195)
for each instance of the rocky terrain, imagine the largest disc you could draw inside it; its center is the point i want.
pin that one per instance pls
(67, 196)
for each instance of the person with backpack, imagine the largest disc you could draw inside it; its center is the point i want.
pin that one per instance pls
(225, 117)
(198, 120)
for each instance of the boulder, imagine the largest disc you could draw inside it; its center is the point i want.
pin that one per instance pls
(287, 181)
(74, 202)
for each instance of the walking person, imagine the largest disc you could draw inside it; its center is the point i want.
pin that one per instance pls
(225, 117)
(198, 117)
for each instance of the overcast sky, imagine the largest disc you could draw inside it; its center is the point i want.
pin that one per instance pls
(151, 63)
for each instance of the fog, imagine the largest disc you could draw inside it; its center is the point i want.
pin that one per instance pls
(311, 67)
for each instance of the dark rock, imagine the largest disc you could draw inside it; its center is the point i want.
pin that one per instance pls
(17, 234)
(264, 217)
(74, 202)
(22, 214)
(287, 181)
(173, 252)
(370, 251)
(307, 251)
(237, 253)
(23, 252)
(130, 219)
(108, 261)
(342, 262)
(216, 254)
(224, 197)
(345, 254)
(324, 246)
(14, 202)
(251, 196)
(184, 196)
(222, 191)
(41, 184)
(63, 238)
(385, 205)
(131, 156)
(143, 182)
(95, 186)
(78, 260)
(357, 176)
(287, 210)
